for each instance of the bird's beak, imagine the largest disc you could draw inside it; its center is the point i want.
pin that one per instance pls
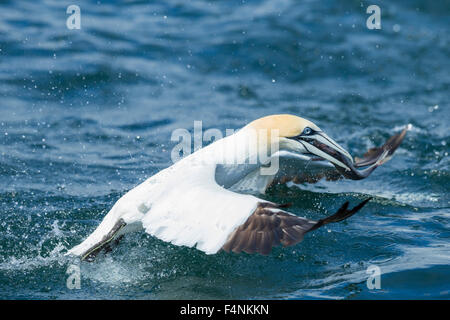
(324, 147)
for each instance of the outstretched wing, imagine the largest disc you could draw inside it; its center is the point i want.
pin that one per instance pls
(190, 209)
(291, 167)
(302, 169)
(269, 226)
(374, 154)
(198, 212)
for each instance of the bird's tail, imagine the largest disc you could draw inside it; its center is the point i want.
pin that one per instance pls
(106, 234)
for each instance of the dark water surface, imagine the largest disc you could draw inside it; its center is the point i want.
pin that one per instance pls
(85, 115)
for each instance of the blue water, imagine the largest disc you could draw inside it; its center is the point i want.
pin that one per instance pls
(86, 115)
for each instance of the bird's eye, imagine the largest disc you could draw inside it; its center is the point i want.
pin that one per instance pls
(307, 131)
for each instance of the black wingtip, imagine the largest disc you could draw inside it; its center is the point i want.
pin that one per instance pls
(373, 155)
(342, 214)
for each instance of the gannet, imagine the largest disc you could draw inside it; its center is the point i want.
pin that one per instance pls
(209, 199)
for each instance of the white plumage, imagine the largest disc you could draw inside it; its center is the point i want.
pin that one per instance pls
(203, 200)
(182, 204)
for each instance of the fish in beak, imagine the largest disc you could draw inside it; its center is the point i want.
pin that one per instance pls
(319, 144)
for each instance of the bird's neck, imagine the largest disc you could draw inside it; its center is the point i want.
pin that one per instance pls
(242, 147)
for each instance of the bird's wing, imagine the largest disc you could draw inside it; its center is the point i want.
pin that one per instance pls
(189, 208)
(374, 154)
(269, 225)
(301, 169)
(196, 211)
(291, 167)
